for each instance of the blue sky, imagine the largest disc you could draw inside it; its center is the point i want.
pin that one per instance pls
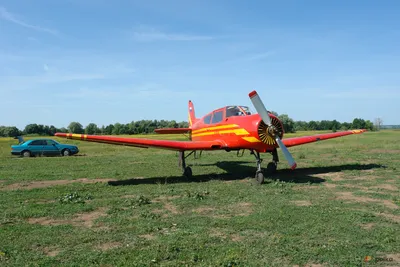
(106, 61)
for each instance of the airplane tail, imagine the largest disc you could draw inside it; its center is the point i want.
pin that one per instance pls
(192, 120)
(192, 116)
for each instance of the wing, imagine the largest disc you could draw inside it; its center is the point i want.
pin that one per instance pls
(146, 143)
(295, 141)
(172, 130)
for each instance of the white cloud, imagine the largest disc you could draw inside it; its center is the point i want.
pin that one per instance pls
(148, 34)
(8, 16)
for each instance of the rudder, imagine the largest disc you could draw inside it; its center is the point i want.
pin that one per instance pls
(192, 116)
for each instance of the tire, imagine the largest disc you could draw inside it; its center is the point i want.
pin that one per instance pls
(66, 153)
(26, 153)
(259, 178)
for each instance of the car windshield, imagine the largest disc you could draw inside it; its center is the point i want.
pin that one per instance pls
(237, 111)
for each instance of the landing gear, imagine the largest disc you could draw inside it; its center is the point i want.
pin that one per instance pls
(259, 175)
(271, 167)
(186, 171)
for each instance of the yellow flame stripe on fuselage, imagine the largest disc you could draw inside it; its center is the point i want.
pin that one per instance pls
(239, 131)
(251, 139)
(77, 136)
(214, 128)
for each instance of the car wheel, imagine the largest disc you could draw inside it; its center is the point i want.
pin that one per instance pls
(26, 154)
(66, 152)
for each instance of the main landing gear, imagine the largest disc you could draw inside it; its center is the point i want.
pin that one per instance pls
(271, 167)
(186, 170)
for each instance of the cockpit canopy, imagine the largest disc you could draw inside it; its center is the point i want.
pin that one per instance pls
(219, 115)
(237, 111)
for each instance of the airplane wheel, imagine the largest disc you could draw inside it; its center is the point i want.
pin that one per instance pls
(271, 167)
(259, 177)
(188, 172)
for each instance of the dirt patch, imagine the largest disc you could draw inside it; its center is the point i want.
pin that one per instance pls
(109, 245)
(367, 226)
(330, 185)
(393, 258)
(390, 187)
(203, 210)
(302, 203)
(334, 176)
(363, 178)
(52, 252)
(165, 198)
(167, 205)
(148, 236)
(81, 219)
(171, 208)
(236, 238)
(383, 151)
(45, 184)
(392, 217)
(243, 209)
(349, 196)
(215, 232)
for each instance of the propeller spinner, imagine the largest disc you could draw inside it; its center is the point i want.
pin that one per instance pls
(262, 111)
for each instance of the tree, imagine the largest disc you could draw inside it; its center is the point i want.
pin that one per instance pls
(91, 128)
(31, 129)
(288, 123)
(11, 131)
(358, 123)
(75, 127)
(378, 123)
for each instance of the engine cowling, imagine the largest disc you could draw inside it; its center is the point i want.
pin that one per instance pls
(263, 133)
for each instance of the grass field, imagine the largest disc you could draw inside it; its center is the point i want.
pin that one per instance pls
(340, 206)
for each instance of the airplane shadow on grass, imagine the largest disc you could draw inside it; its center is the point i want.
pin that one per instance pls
(235, 170)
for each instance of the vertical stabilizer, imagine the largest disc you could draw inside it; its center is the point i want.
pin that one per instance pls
(192, 116)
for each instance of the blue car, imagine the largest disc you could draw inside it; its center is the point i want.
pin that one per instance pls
(42, 147)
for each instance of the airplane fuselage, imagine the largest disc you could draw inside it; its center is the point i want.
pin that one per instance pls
(235, 131)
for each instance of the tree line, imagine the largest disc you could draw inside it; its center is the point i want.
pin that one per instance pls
(148, 126)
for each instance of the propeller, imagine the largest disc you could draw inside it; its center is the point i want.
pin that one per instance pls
(262, 111)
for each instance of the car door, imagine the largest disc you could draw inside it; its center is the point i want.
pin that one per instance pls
(51, 148)
(37, 147)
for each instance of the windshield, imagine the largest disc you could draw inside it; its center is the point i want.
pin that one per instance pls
(237, 111)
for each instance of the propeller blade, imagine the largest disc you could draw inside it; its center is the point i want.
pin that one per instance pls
(262, 111)
(286, 153)
(259, 106)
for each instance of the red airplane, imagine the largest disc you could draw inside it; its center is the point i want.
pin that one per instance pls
(231, 128)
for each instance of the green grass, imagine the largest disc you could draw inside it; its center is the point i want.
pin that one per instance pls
(339, 206)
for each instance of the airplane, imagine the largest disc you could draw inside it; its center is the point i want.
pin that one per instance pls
(230, 128)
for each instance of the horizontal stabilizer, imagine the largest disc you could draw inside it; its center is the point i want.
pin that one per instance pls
(172, 130)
